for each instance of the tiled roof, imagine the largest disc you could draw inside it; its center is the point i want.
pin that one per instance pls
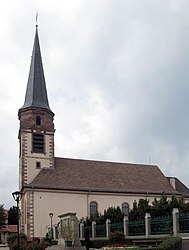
(9, 228)
(179, 186)
(74, 174)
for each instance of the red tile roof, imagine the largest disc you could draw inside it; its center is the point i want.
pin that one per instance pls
(9, 229)
(74, 174)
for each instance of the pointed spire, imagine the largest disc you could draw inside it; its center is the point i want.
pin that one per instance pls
(36, 93)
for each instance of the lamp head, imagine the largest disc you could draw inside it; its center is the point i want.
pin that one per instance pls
(51, 215)
(17, 195)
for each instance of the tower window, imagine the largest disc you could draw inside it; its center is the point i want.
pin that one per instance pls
(38, 143)
(38, 165)
(93, 208)
(38, 120)
(125, 208)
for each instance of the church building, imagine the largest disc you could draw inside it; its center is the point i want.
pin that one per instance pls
(59, 185)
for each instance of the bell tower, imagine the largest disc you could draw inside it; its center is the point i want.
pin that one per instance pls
(36, 133)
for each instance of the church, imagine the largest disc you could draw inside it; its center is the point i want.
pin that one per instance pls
(52, 185)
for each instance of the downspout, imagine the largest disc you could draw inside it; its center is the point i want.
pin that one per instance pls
(88, 214)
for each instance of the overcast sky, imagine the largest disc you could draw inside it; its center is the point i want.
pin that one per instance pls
(117, 75)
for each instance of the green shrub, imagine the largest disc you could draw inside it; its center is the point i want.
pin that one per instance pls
(171, 243)
(37, 245)
(12, 241)
(117, 237)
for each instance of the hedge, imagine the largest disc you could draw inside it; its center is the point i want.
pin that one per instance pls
(169, 243)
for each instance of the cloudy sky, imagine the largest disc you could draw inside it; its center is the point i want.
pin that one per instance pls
(117, 74)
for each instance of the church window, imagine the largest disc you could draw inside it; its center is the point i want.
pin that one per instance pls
(38, 120)
(38, 165)
(125, 208)
(93, 208)
(38, 143)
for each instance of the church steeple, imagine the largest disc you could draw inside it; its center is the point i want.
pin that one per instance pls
(36, 133)
(36, 93)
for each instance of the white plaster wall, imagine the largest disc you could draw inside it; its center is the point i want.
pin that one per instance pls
(60, 203)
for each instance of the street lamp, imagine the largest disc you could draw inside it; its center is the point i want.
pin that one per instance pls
(51, 215)
(17, 197)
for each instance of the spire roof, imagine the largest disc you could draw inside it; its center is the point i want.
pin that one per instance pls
(36, 92)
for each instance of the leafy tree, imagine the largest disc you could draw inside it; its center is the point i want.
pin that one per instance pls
(159, 207)
(134, 213)
(139, 209)
(143, 207)
(114, 214)
(2, 216)
(12, 216)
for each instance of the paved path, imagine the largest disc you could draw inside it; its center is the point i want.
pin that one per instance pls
(185, 245)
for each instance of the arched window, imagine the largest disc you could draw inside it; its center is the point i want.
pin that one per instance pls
(38, 120)
(93, 208)
(125, 208)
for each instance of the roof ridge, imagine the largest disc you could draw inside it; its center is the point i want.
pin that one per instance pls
(106, 161)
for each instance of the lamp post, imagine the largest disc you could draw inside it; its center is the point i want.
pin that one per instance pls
(17, 197)
(51, 215)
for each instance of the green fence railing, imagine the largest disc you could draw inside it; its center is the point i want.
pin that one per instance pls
(101, 230)
(162, 225)
(184, 223)
(136, 228)
(117, 227)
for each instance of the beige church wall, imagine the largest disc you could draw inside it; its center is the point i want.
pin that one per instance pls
(59, 203)
(32, 171)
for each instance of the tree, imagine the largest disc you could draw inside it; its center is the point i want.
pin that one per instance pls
(2, 216)
(159, 207)
(12, 216)
(139, 209)
(114, 214)
(134, 213)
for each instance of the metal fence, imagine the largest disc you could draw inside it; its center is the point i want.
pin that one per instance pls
(117, 227)
(101, 230)
(162, 225)
(136, 228)
(153, 226)
(184, 223)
